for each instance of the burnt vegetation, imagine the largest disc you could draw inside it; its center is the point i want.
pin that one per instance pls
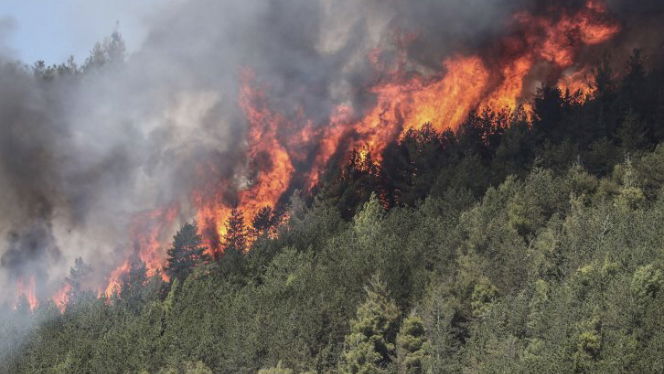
(506, 246)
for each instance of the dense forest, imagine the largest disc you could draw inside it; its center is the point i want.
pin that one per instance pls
(508, 246)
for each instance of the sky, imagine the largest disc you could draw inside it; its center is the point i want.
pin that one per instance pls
(53, 30)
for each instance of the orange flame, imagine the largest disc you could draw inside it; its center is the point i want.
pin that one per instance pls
(61, 298)
(28, 291)
(404, 106)
(149, 231)
(473, 82)
(577, 83)
(115, 279)
(270, 169)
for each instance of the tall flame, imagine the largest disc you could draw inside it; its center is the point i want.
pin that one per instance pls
(61, 297)
(149, 231)
(270, 170)
(474, 82)
(115, 279)
(26, 290)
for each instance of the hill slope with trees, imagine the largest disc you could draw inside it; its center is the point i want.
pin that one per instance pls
(506, 246)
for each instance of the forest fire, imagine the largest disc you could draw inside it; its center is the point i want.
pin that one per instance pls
(61, 298)
(495, 83)
(269, 162)
(114, 282)
(466, 83)
(540, 49)
(577, 83)
(27, 292)
(148, 232)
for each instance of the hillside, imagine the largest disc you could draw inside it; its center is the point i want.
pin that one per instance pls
(507, 245)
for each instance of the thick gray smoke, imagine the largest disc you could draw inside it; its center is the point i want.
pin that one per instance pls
(82, 152)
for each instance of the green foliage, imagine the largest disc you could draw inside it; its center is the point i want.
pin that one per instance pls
(187, 368)
(367, 222)
(276, 370)
(515, 282)
(483, 295)
(588, 346)
(78, 277)
(186, 253)
(369, 348)
(413, 347)
(647, 281)
(234, 245)
(523, 248)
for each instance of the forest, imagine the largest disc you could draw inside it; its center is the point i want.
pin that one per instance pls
(511, 245)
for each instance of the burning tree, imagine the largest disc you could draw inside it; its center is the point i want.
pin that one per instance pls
(235, 243)
(236, 236)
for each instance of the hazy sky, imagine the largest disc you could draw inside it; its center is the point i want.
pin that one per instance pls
(52, 30)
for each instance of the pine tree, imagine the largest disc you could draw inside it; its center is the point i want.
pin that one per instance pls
(236, 236)
(134, 288)
(413, 346)
(76, 279)
(263, 222)
(633, 93)
(186, 252)
(369, 348)
(603, 79)
(632, 133)
(111, 51)
(235, 243)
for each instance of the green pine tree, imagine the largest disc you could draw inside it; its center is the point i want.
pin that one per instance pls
(134, 282)
(186, 252)
(235, 244)
(413, 347)
(236, 236)
(77, 278)
(369, 348)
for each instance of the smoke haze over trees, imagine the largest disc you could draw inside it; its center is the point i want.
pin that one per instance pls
(503, 244)
(86, 147)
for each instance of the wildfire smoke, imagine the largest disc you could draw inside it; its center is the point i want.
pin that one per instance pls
(212, 116)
